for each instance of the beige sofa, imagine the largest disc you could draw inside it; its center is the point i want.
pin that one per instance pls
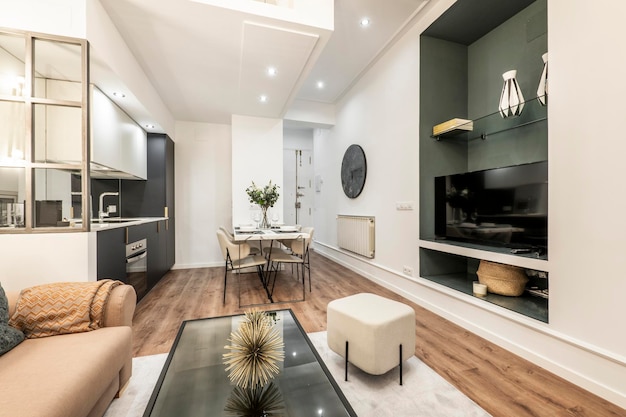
(72, 375)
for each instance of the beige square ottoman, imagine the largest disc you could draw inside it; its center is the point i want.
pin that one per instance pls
(371, 332)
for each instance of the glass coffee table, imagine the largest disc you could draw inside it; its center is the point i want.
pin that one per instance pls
(194, 381)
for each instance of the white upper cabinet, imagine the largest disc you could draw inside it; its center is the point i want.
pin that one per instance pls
(118, 144)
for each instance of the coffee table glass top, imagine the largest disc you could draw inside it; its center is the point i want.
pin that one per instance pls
(194, 381)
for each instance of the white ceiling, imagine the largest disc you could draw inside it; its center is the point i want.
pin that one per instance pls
(208, 62)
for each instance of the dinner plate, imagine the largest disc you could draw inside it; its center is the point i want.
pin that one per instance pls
(247, 228)
(288, 229)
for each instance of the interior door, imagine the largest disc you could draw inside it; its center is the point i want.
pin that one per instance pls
(298, 183)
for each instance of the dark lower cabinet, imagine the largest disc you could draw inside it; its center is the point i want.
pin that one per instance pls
(142, 272)
(112, 254)
(157, 258)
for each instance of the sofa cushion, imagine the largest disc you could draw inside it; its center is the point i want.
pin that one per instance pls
(62, 376)
(9, 336)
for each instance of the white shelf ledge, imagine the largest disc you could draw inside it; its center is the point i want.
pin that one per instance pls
(458, 248)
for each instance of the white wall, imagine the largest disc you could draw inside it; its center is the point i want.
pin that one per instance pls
(298, 139)
(587, 261)
(60, 17)
(209, 179)
(203, 192)
(257, 150)
(34, 259)
(583, 342)
(214, 165)
(380, 115)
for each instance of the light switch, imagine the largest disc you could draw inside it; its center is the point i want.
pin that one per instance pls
(404, 205)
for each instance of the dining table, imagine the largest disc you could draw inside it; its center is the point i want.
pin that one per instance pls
(270, 236)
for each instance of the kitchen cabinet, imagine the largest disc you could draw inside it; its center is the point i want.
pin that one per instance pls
(114, 262)
(112, 254)
(155, 196)
(157, 259)
(118, 144)
(138, 232)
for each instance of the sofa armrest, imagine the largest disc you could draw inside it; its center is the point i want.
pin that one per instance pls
(120, 308)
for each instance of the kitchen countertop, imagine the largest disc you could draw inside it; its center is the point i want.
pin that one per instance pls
(117, 222)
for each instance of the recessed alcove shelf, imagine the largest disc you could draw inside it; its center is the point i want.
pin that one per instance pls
(488, 253)
(458, 272)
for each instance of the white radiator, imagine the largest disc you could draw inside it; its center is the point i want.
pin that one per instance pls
(356, 234)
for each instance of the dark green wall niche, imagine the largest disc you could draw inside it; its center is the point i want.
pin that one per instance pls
(443, 92)
(516, 44)
(465, 81)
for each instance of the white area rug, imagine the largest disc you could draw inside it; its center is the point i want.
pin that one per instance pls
(423, 393)
(132, 403)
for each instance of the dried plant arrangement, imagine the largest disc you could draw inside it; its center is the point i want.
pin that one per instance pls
(266, 401)
(254, 351)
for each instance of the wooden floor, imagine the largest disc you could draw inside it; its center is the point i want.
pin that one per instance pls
(500, 382)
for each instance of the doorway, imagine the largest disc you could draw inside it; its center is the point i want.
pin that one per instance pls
(298, 183)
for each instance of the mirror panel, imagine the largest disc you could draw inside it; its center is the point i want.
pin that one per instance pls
(58, 70)
(12, 68)
(12, 132)
(58, 133)
(55, 190)
(12, 197)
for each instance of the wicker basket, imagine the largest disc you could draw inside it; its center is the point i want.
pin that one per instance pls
(502, 279)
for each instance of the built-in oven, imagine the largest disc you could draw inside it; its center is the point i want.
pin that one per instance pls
(137, 266)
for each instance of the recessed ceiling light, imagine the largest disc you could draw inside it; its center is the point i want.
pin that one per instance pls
(271, 71)
(365, 22)
(263, 98)
(320, 84)
(118, 94)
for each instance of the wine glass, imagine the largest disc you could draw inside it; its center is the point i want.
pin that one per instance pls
(275, 217)
(256, 216)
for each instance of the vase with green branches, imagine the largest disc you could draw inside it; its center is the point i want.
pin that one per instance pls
(265, 198)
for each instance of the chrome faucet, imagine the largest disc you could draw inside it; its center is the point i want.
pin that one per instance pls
(101, 212)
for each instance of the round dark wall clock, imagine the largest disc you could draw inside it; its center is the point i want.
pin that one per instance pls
(353, 171)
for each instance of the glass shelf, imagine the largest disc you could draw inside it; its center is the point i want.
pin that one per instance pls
(494, 124)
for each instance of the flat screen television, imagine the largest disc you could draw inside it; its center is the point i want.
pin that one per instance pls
(503, 207)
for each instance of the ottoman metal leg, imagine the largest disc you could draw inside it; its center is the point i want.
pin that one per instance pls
(400, 363)
(346, 360)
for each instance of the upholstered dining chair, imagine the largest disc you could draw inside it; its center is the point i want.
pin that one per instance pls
(254, 250)
(297, 254)
(237, 257)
